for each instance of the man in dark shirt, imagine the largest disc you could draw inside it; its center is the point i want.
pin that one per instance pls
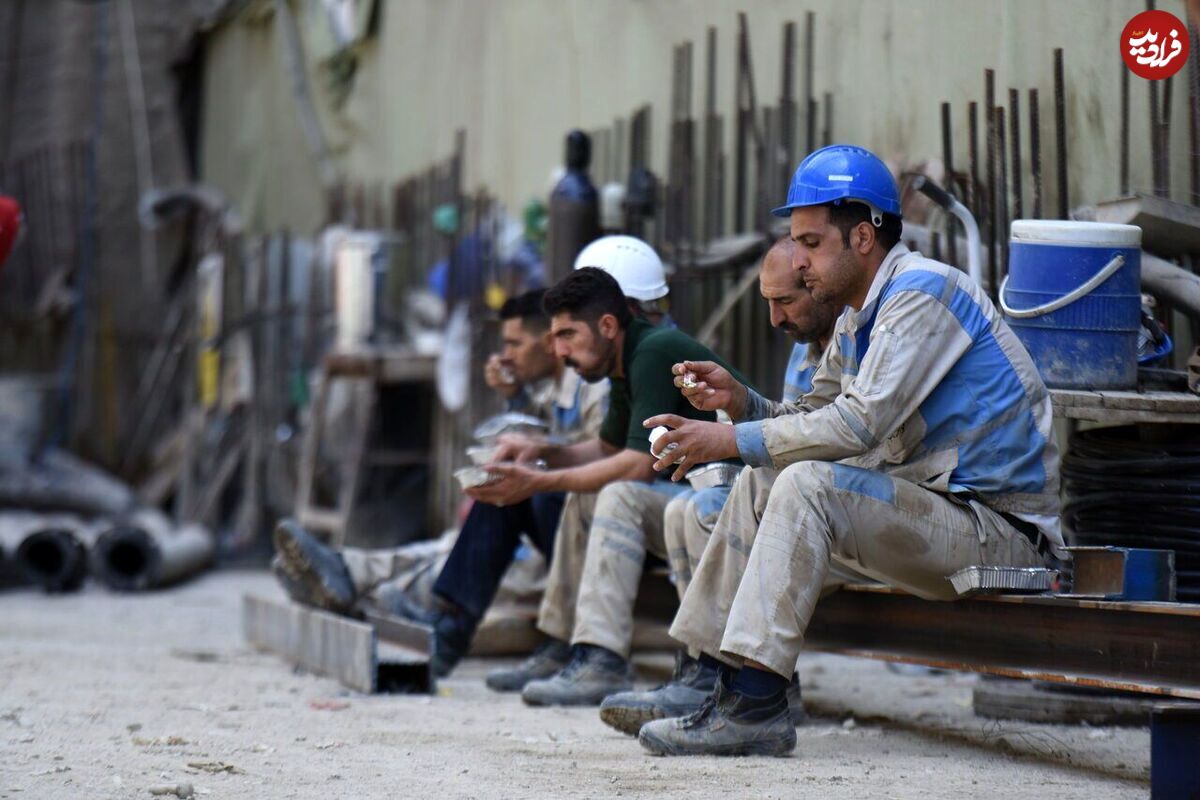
(612, 486)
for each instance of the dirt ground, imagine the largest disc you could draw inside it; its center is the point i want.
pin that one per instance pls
(111, 696)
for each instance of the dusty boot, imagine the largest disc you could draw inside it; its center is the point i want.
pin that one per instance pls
(795, 703)
(452, 627)
(728, 724)
(592, 674)
(316, 574)
(687, 690)
(295, 590)
(550, 656)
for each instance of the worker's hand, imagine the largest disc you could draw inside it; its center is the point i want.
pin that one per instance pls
(709, 387)
(518, 447)
(699, 443)
(514, 483)
(499, 377)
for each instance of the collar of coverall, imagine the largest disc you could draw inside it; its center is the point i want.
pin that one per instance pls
(886, 270)
(637, 329)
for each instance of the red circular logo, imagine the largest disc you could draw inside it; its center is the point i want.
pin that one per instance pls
(1155, 45)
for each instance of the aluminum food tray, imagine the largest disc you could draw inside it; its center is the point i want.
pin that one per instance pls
(711, 475)
(996, 580)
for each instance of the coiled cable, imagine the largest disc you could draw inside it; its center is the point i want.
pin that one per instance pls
(1125, 491)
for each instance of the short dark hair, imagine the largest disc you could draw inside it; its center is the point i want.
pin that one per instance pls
(527, 307)
(847, 215)
(588, 294)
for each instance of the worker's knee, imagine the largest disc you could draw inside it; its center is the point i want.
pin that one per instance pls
(805, 479)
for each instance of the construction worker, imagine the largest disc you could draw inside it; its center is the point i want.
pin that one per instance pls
(925, 446)
(596, 333)
(690, 516)
(318, 575)
(315, 574)
(638, 269)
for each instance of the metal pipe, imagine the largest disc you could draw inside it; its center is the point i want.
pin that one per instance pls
(147, 551)
(1060, 131)
(954, 206)
(809, 101)
(948, 162)
(1035, 153)
(1124, 157)
(989, 80)
(1014, 121)
(53, 558)
(1001, 219)
(973, 154)
(1164, 140)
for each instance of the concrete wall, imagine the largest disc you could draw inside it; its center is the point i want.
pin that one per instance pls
(518, 73)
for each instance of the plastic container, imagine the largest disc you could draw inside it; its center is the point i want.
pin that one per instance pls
(1073, 297)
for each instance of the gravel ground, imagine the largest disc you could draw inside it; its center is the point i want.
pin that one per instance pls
(119, 696)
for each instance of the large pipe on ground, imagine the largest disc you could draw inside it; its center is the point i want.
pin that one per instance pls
(146, 552)
(47, 550)
(53, 558)
(59, 481)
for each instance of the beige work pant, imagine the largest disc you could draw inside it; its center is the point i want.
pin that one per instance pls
(765, 566)
(598, 562)
(556, 617)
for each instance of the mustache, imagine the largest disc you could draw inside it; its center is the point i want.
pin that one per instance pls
(572, 363)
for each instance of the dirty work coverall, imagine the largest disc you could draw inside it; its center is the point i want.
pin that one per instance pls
(603, 538)
(690, 516)
(942, 427)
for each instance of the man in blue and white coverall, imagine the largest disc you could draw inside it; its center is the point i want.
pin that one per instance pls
(690, 517)
(925, 446)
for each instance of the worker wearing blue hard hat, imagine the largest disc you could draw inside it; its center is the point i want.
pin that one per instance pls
(923, 448)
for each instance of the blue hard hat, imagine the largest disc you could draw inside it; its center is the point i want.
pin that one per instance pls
(842, 172)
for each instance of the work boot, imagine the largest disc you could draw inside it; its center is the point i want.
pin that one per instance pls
(592, 674)
(795, 702)
(727, 724)
(689, 687)
(452, 627)
(317, 576)
(550, 656)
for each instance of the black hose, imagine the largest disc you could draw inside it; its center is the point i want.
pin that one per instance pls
(1124, 491)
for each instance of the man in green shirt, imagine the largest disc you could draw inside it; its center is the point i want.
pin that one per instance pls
(613, 488)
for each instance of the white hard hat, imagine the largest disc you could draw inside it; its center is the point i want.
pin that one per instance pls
(632, 262)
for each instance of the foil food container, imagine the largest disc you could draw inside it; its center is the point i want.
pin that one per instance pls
(481, 453)
(470, 477)
(1002, 580)
(509, 422)
(711, 475)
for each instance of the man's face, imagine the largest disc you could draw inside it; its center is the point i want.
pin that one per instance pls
(528, 353)
(791, 304)
(833, 272)
(588, 350)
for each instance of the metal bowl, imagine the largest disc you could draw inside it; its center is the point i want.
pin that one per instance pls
(712, 475)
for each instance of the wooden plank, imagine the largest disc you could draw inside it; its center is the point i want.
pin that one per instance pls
(322, 643)
(1168, 228)
(1126, 406)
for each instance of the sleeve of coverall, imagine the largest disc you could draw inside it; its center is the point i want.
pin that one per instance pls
(826, 384)
(914, 343)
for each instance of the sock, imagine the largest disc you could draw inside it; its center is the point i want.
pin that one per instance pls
(759, 683)
(709, 663)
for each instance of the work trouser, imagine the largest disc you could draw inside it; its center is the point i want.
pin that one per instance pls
(768, 559)
(599, 553)
(481, 554)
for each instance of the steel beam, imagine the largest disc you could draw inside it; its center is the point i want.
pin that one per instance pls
(1140, 647)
